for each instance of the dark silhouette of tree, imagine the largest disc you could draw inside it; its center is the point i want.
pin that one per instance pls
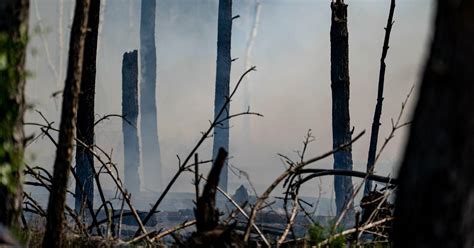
(340, 103)
(13, 41)
(378, 107)
(57, 200)
(151, 156)
(435, 203)
(221, 131)
(85, 113)
(131, 144)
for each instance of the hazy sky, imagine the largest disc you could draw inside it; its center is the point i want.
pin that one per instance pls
(291, 86)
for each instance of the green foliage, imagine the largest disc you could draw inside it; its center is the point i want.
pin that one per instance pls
(11, 75)
(317, 233)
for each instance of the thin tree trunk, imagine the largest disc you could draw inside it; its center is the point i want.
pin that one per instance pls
(131, 145)
(57, 200)
(151, 156)
(248, 55)
(340, 103)
(435, 200)
(378, 107)
(13, 41)
(221, 132)
(85, 113)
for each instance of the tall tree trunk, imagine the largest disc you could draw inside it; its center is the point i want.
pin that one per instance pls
(378, 107)
(57, 199)
(341, 131)
(435, 200)
(13, 40)
(221, 132)
(151, 156)
(248, 54)
(85, 113)
(131, 145)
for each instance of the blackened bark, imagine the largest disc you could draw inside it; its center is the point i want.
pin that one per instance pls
(378, 107)
(340, 103)
(221, 132)
(435, 200)
(131, 145)
(14, 32)
(57, 200)
(85, 113)
(207, 216)
(151, 156)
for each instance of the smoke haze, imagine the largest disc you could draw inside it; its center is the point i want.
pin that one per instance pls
(291, 86)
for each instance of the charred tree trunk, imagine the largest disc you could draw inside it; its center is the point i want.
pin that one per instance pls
(208, 231)
(340, 103)
(131, 145)
(207, 216)
(151, 156)
(85, 113)
(378, 107)
(57, 199)
(435, 200)
(221, 131)
(13, 40)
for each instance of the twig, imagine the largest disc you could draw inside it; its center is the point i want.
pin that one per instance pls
(291, 221)
(155, 236)
(106, 117)
(289, 171)
(396, 125)
(116, 180)
(184, 165)
(353, 230)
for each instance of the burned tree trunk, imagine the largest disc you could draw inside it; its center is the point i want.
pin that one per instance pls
(221, 131)
(57, 199)
(13, 40)
(207, 216)
(435, 200)
(378, 107)
(340, 83)
(131, 145)
(208, 231)
(151, 156)
(85, 112)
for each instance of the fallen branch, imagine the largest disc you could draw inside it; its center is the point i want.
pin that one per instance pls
(353, 230)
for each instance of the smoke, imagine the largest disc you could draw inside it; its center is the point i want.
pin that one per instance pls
(291, 87)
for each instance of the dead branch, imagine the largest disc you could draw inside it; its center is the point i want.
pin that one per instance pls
(196, 175)
(207, 216)
(396, 125)
(374, 213)
(353, 230)
(282, 177)
(326, 172)
(157, 235)
(115, 179)
(107, 117)
(378, 107)
(184, 166)
(291, 221)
